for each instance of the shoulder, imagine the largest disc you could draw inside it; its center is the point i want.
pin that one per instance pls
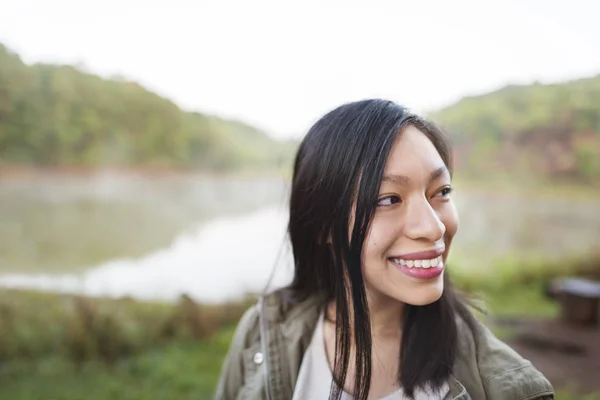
(247, 330)
(234, 369)
(274, 310)
(284, 322)
(492, 369)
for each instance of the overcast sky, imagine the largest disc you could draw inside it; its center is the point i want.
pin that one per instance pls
(281, 65)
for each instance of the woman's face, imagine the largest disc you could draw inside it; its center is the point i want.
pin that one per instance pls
(413, 225)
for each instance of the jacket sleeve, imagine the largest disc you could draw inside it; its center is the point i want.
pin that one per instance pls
(506, 374)
(491, 369)
(232, 371)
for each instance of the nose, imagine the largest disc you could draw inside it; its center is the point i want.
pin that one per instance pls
(423, 222)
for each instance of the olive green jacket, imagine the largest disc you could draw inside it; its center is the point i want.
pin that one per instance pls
(267, 349)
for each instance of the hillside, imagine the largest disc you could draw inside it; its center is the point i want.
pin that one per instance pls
(549, 131)
(57, 115)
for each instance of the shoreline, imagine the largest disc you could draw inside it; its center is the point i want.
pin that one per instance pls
(492, 184)
(24, 173)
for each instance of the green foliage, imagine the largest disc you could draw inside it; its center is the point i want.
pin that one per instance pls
(502, 274)
(567, 394)
(56, 115)
(588, 162)
(68, 347)
(103, 330)
(550, 131)
(102, 349)
(179, 370)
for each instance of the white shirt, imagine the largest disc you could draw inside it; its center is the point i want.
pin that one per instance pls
(315, 377)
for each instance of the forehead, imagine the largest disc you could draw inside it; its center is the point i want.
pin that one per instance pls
(413, 155)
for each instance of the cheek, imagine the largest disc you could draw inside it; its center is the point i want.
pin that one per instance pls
(449, 217)
(380, 238)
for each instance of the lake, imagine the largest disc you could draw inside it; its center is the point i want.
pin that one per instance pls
(218, 238)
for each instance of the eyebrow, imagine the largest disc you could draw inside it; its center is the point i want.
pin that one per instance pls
(405, 180)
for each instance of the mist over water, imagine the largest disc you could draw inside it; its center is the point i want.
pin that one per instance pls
(225, 259)
(218, 239)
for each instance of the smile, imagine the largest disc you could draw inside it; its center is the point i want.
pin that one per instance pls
(426, 263)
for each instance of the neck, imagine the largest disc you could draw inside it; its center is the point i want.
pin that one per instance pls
(385, 314)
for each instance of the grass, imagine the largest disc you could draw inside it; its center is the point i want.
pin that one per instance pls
(506, 273)
(179, 370)
(567, 394)
(67, 347)
(35, 325)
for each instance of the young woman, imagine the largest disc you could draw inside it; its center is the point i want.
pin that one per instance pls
(371, 312)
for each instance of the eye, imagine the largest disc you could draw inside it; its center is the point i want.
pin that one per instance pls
(444, 192)
(388, 201)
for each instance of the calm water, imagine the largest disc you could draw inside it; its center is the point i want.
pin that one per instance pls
(215, 239)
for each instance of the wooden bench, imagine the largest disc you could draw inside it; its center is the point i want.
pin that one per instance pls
(579, 300)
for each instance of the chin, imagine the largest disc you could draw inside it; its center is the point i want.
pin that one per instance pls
(423, 297)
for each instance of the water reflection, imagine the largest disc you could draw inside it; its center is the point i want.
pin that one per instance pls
(225, 259)
(217, 239)
(70, 223)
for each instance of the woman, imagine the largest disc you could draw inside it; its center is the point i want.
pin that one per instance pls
(371, 312)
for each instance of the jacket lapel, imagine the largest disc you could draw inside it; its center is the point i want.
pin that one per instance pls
(289, 327)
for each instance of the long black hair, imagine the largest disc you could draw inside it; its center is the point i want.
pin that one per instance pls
(337, 174)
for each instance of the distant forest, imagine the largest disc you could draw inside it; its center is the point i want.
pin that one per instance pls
(58, 115)
(550, 131)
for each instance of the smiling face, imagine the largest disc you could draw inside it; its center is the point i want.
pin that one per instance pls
(413, 225)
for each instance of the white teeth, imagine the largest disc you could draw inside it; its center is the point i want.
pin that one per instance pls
(419, 263)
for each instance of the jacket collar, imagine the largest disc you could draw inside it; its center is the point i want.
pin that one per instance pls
(286, 327)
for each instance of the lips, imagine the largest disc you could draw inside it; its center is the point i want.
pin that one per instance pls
(426, 265)
(422, 255)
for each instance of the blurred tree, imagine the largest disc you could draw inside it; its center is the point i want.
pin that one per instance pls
(552, 130)
(54, 115)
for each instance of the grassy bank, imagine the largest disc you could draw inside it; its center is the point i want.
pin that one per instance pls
(183, 369)
(67, 347)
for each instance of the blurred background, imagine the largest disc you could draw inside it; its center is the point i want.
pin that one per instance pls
(146, 150)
